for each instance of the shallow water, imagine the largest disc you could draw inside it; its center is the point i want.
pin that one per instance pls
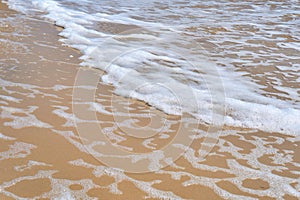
(154, 51)
(43, 156)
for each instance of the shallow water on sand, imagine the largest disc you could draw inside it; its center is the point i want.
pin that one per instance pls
(44, 155)
(150, 50)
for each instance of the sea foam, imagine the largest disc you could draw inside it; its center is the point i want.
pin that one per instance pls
(159, 64)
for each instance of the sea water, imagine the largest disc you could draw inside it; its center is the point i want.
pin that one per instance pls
(169, 54)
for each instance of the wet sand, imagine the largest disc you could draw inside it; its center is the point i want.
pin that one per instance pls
(42, 155)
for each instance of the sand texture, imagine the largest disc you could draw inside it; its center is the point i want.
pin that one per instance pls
(44, 156)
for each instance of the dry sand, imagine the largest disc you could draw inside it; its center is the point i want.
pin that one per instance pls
(42, 155)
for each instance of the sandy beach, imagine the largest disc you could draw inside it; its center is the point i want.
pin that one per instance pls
(44, 156)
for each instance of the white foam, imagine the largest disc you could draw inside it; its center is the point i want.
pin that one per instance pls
(4, 137)
(9, 98)
(133, 68)
(19, 122)
(29, 165)
(120, 176)
(17, 150)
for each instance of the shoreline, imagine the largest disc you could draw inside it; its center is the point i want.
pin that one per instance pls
(41, 155)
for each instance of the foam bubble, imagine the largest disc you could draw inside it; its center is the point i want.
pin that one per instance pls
(19, 122)
(17, 150)
(4, 137)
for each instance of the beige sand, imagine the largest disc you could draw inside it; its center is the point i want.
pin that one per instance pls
(42, 157)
